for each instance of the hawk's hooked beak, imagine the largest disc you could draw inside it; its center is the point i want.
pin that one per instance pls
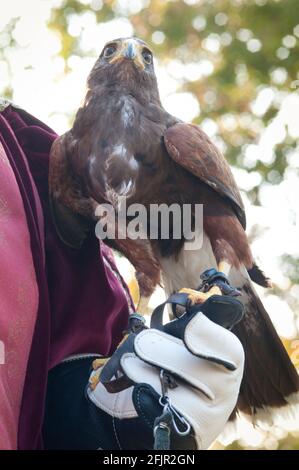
(132, 50)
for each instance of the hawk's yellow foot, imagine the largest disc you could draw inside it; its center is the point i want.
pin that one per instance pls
(101, 361)
(196, 297)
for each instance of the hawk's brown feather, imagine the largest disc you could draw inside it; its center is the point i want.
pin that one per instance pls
(191, 148)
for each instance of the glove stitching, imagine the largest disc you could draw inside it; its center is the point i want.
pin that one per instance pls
(191, 339)
(141, 410)
(205, 353)
(114, 425)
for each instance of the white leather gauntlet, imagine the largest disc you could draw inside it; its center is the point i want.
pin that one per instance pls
(183, 386)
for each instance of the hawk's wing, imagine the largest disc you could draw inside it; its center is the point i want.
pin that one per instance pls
(71, 212)
(191, 148)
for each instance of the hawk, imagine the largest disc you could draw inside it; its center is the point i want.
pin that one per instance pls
(123, 142)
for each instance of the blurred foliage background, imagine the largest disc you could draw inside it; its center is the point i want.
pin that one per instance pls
(232, 66)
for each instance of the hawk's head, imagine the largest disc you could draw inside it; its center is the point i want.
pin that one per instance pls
(126, 63)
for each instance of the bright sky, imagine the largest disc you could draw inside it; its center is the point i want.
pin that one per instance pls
(41, 87)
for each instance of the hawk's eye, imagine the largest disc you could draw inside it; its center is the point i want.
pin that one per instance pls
(109, 51)
(147, 56)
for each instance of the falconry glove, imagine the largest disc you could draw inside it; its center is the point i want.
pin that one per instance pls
(181, 379)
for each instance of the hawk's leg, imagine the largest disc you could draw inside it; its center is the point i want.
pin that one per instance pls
(213, 283)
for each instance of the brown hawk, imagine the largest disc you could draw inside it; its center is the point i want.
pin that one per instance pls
(123, 142)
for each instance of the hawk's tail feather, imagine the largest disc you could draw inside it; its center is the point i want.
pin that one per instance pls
(270, 379)
(259, 277)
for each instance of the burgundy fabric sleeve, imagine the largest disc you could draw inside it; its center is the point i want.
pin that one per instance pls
(83, 306)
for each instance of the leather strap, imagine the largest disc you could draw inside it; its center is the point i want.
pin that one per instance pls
(118, 385)
(174, 300)
(226, 311)
(113, 367)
